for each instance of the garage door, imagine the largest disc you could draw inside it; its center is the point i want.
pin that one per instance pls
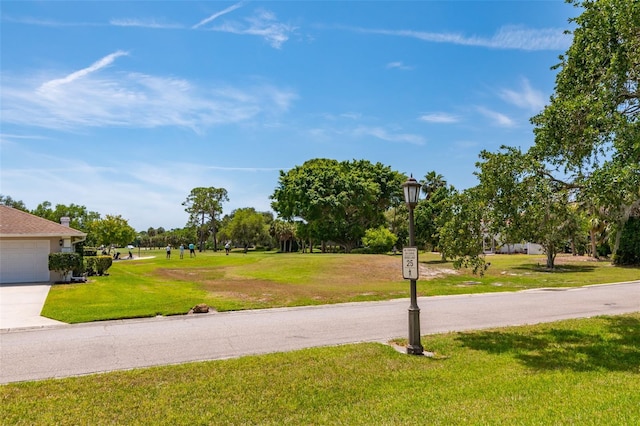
(24, 261)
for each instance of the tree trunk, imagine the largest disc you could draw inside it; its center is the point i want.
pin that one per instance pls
(551, 256)
(594, 246)
(202, 233)
(618, 235)
(627, 210)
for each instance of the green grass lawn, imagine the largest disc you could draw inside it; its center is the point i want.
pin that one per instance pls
(158, 286)
(576, 372)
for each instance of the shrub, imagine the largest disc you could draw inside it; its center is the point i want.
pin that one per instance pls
(379, 240)
(97, 265)
(603, 250)
(64, 263)
(628, 252)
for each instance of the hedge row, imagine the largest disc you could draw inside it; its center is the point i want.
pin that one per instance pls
(67, 262)
(64, 262)
(97, 265)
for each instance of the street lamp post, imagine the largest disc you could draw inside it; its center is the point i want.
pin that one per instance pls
(411, 194)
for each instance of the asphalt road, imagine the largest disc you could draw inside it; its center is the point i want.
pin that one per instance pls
(70, 350)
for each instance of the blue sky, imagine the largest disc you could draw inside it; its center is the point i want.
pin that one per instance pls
(124, 107)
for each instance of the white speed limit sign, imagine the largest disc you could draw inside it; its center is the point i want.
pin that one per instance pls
(410, 263)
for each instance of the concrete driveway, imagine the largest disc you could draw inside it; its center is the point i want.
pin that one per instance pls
(21, 304)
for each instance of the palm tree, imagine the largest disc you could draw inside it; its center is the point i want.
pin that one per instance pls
(284, 232)
(431, 183)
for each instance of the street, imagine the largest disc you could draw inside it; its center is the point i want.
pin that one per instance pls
(69, 350)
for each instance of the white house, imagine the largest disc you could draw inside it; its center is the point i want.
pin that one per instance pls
(492, 245)
(25, 243)
(527, 248)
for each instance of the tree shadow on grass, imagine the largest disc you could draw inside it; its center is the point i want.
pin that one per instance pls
(435, 262)
(559, 269)
(615, 347)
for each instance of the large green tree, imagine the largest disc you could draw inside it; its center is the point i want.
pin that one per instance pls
(7, 200)
(339, 201)
(430, 213)
(204, 205)
(81, 218)
(247, 227)
(590, 131)
(523, 204)
(515, 201)
(113, 231)
(461, 235)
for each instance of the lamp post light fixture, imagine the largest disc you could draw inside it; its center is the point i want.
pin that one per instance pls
(411, 190)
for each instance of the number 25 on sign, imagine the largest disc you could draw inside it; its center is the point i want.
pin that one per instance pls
(410, 263)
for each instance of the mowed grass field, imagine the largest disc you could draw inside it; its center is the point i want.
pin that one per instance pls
(576, 372)
(153, 285)
(583, 372)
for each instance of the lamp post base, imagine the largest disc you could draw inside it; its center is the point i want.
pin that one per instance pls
(415, 350)
(414, 347)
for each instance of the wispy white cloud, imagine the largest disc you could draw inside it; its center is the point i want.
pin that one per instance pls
(98, 97)
(48, 22)
(263, 24)
(383, 134)
(497, 118)
(144, 23)
(11, 140)
(466, 144)
(344, 115)
(351, 115)
(96, 66)
(135, 190)
(104, 190)
(507, 37)
(520, 37)
(218, 14)
(439, 117)
(116, 22)
(526, 98)
(9, 136)
(399, 65)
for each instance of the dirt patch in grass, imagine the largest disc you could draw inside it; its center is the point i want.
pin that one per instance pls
(340, 278)
(564, 259)
(430, 272)
(190, 274)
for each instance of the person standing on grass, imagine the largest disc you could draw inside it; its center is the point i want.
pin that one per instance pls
(181, 251)
(169, 251)
(227, 248)
(192, 250)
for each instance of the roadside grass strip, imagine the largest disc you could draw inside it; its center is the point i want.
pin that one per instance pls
(583, 372)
